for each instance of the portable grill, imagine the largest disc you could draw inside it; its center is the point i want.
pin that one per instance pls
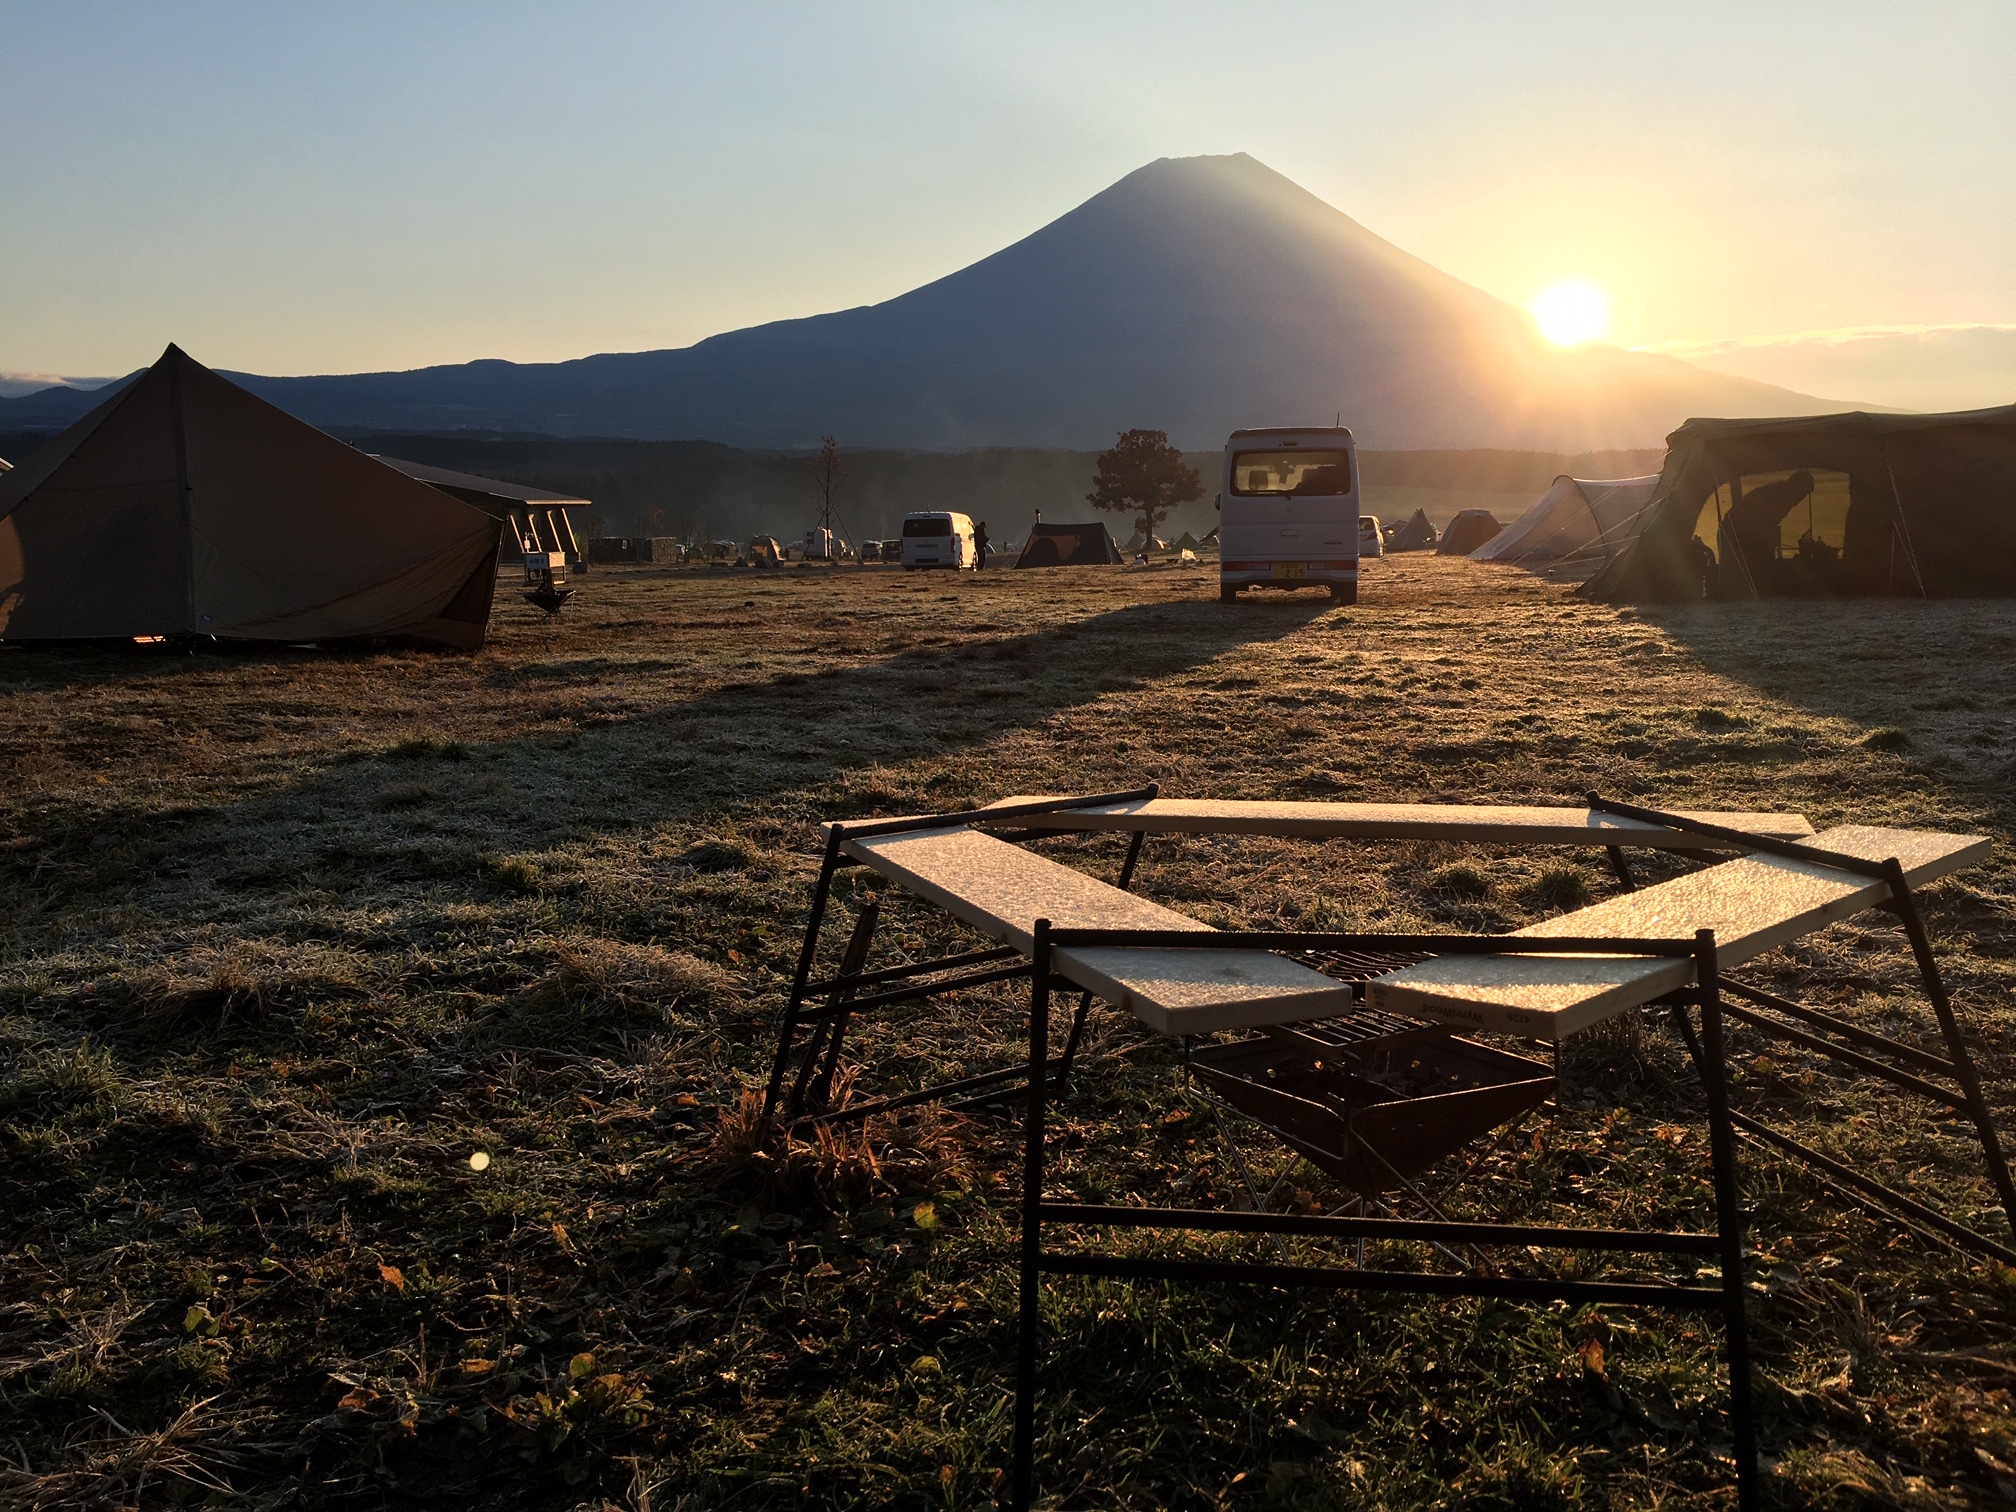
(1371, 1098)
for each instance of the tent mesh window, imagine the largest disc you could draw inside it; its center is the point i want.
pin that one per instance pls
(1814, 522)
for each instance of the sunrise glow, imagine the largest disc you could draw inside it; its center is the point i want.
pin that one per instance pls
(1571, 313)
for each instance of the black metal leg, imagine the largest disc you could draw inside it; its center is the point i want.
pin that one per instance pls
(1621, 864)
(1133, 857)
(787, 1030)
(1071, 1040)
(1906, 909)
(1728, 1219)
(1085, 999)
(1022, 1488)
(828, 1035)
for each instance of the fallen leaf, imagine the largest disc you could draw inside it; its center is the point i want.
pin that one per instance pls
(392, 1276)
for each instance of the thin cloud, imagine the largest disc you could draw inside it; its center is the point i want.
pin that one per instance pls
(1833, 336)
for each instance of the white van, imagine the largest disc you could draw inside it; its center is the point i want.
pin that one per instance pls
(1289, 512)
(1371, 537)
(938, 538)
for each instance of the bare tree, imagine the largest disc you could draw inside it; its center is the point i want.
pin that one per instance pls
(826, 475)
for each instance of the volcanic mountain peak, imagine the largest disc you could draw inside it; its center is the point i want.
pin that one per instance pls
(1195, 295)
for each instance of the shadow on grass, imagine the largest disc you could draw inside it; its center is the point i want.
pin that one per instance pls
(786, 740)
(1924, 679)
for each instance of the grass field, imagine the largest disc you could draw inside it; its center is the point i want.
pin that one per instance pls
(290, 937)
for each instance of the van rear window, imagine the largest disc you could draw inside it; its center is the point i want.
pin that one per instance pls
(927, 527)
(1326, 473)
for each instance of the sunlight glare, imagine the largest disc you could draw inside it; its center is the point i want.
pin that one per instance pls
(1570, 313)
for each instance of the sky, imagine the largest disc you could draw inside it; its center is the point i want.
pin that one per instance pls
(1819, 194)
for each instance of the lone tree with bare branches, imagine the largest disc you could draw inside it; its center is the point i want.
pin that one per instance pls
(826, 475)
(1144, 476)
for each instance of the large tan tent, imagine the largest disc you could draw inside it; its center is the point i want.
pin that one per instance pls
(1827, 505)
(185, 506)
(1574, 515)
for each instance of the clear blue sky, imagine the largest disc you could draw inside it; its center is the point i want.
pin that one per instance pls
(294, 187)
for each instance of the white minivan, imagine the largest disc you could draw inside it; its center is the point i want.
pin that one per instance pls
(1289, 512)
(938, 538)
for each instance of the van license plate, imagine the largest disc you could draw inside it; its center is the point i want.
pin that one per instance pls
(1289, 569)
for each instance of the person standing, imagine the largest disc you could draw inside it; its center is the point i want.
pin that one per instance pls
(980, 545)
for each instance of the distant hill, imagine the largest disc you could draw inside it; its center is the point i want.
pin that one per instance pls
(1195, 295)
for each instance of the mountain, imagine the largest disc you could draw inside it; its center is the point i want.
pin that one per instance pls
(1196, 295)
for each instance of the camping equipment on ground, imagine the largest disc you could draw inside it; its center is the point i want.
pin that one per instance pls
(546, 579)
(1418, 534)
(1372, 1099)
(538, 518)
(1181, 977)
(184, 506)
(1911, 506)
(1069, 546)
(1574, 515)
(1470, 529)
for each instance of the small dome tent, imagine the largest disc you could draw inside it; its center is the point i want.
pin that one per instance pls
(1068, 546)
(1470, 529)
(184, 506)
(1836, 505)
(1575, 514)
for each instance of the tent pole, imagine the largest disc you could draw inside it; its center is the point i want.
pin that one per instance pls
(1899, 528)
(182, 494)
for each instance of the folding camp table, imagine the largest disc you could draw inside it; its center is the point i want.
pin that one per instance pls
(1656, 946)
(996, 890)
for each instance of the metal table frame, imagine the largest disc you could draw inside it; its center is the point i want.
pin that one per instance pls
(1725, 1243)
(819, 1058)
(850, 990)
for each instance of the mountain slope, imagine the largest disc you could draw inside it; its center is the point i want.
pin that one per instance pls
(1195, 295)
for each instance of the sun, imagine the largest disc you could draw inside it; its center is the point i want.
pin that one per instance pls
(1571, 313)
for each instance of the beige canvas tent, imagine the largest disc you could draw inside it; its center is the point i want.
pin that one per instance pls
(1416, 535)
(185, 506)
(1575, 514)
(1827, 505)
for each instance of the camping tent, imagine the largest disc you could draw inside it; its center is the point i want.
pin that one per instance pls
(1416, 535)
(538, 517)
(182, 505)
(1186, 542)
(1575, 514)
(1067, 546)
(1913, 505)
(1470, 529)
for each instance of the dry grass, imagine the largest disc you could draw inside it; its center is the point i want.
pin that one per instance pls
(290, 937)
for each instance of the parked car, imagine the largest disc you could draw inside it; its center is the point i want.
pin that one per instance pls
(1371, 538)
